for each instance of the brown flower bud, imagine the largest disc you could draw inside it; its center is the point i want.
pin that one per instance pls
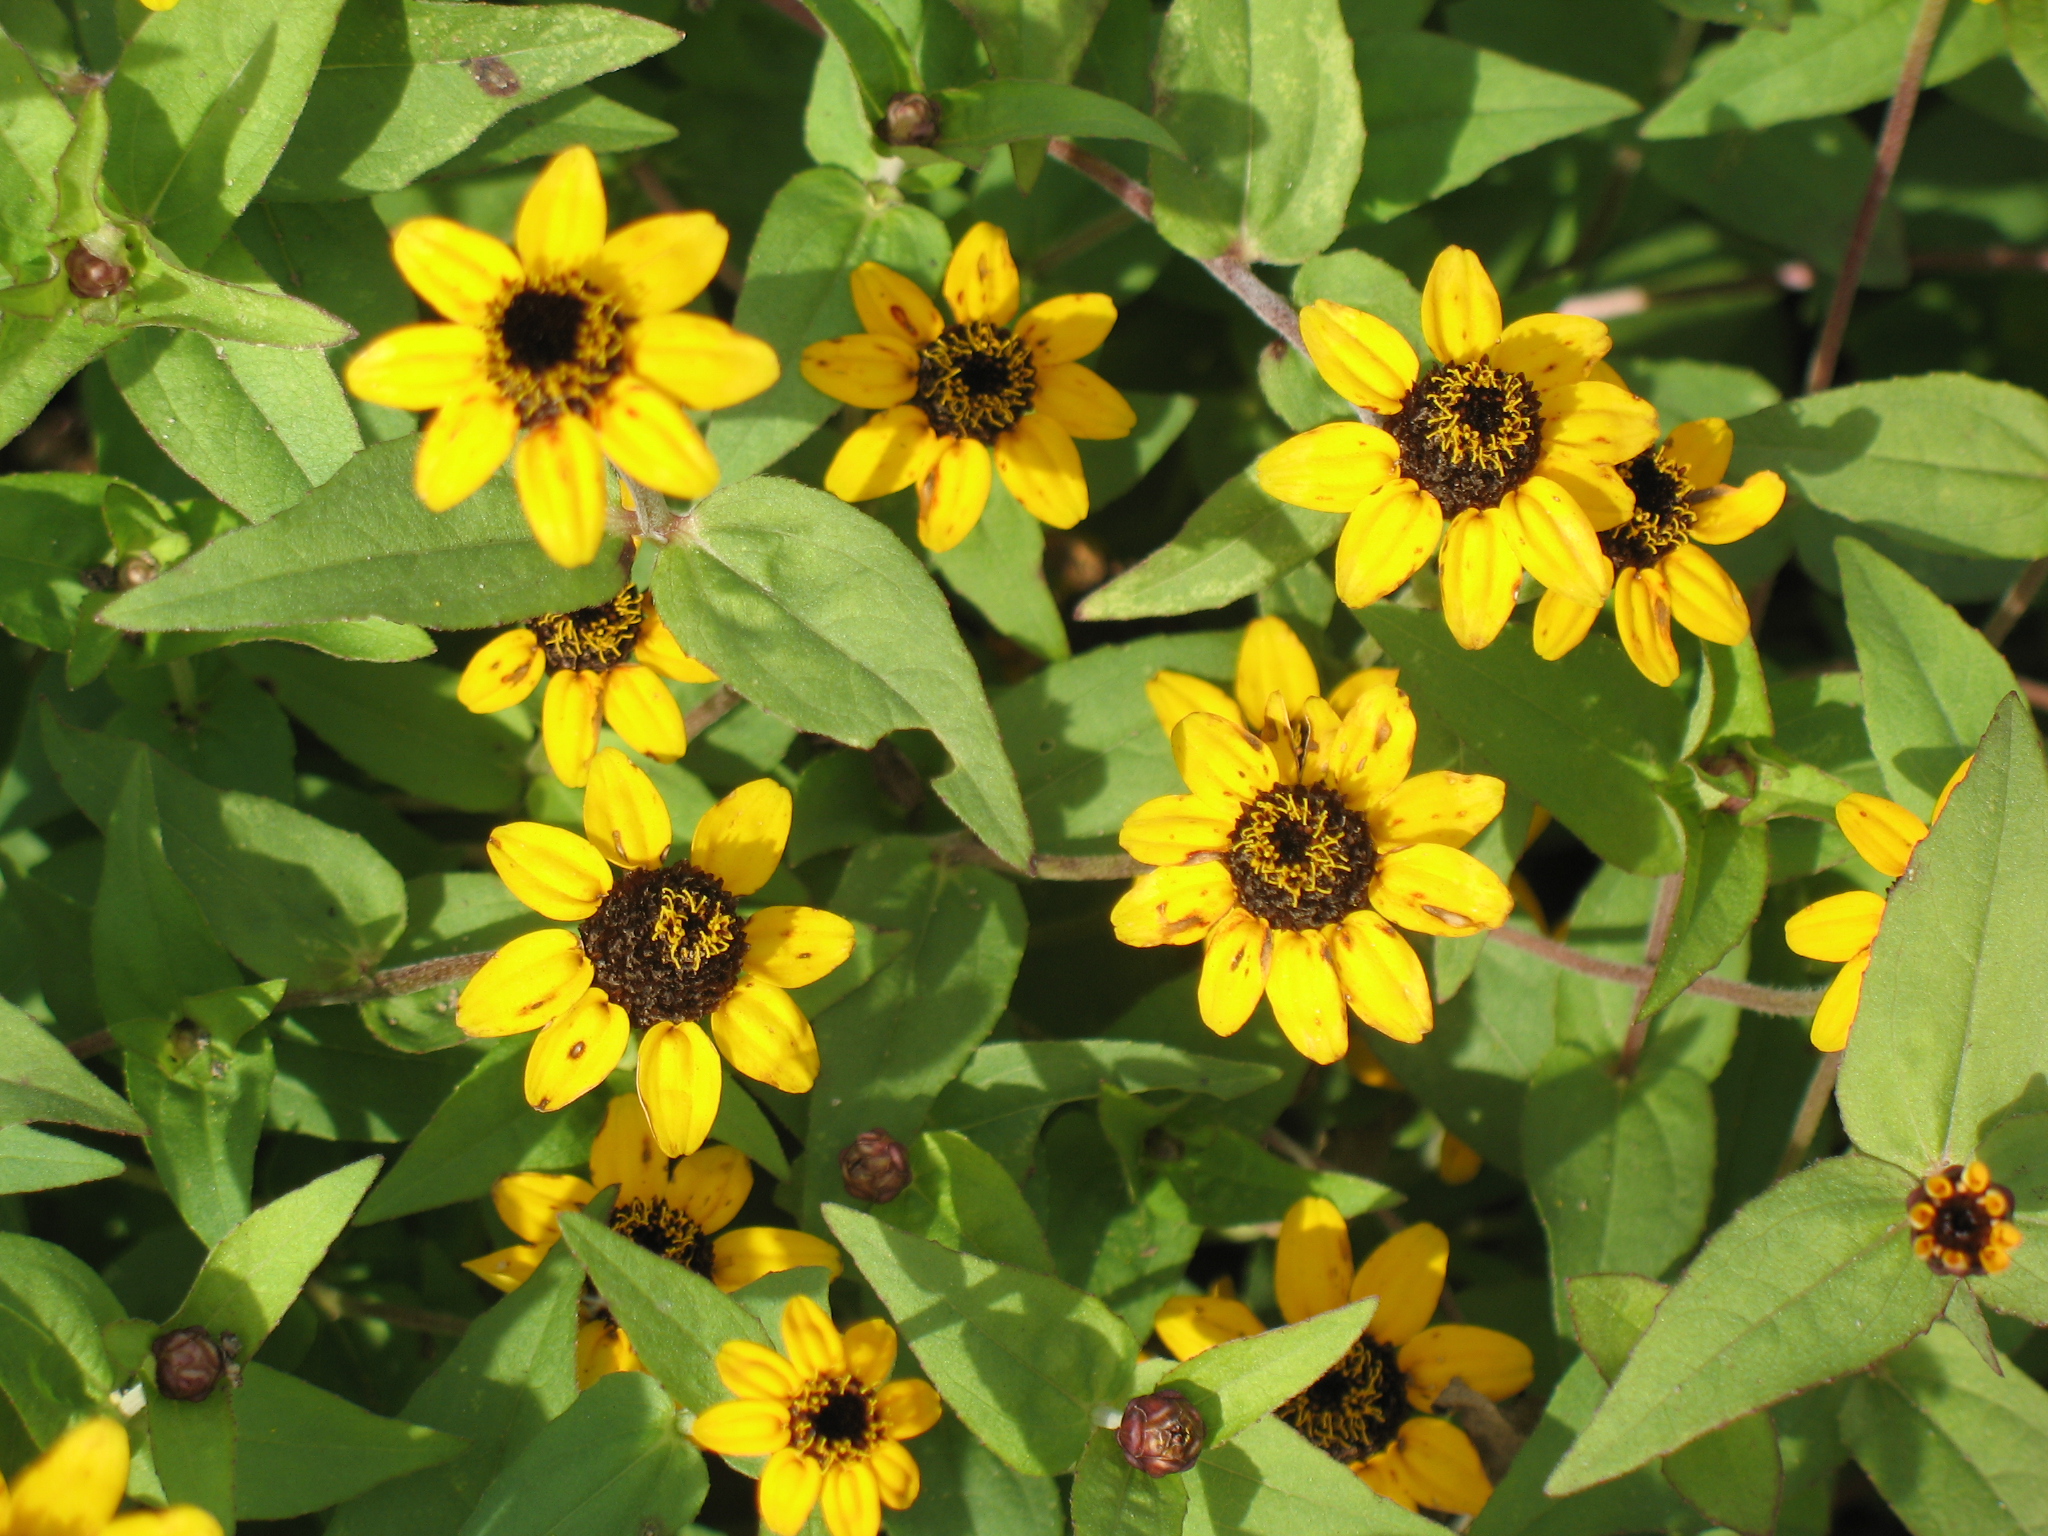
(875, 1167)
(188, 1362)
(1161, 1433)
(94, 277)
(910, 118)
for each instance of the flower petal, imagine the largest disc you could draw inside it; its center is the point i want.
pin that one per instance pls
(890, 304)
(1307, 1002)
(1374, 747)
(502, 673)
(462, 448)
(813, 1345)
(657, 648)
(1312, 1266)
(462, 272)
(1406, 1272)
(1039, 463)
(1954, 780)
(1480, 574)
(647, 435)
(602, 1349)
(1606, 424)
(1838, 1005)
(1176, 905)
(74, 1487)
(576, 1052)
(874, 372)
(420, 367)
(710, 1186)
(1704, 598)
(559, 467)
(1441, 1467)
(1359, 355)
(624, 815)
(981, 279)
(1168, 829)
(703, 362)
(1599, 490)
(508, 1268)
(176, 1519)
(562, 218)
(638, 705)
(1554, 540)
(744, 1254)
(764, 1034)
(1428, 888)
(1550, 350)
(952, 497)
(1187, 1325)
(1085, 403)
(556, 873)
(1382, 1474)
(625, 1152)
(529, 982)
(1561, 624)
(1354, 687)
(744, 1427)
(1642, 613)
(871, 1351)
(850, 1501)
(1440, 807)
(1460, 307)
(1491, 1363)
(1883, 831)
(1233, 972)
(679, 1083)
(896, 1474)
(1221, 760)
(754, 1371)
(1176, 695)
(1331, 468)
(795, 946)
(1387, 540)
(531, 1204)
(1702, 449)
(1835, 928)
(1722, 517)
(1067, 328)
(907, 1408)
(888, 451)
(660, 263)
(788, 1492)
(569, 713)
(741, 838)
(1382, 977)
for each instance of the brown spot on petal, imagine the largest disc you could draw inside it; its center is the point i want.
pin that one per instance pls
(1454, 919)
(493, 76)
(576, 1051)
(1381, 736)
(543, 1101)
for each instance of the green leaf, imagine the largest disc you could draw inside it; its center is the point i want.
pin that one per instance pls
(822, 224)
(1365, 282)
(578, 115)
(615, 1461)
(32, 1160)
(1443, 112)
(404, 86)
(1955, 967)
(2026, 30)
(34, 128)
(201, 108)
(48, 535)
(967, 1492)
(1021, 1357)
(1271, 1482)
(1732, 1476)
(1035, 39)
(2017, 1151)
(1237, 1383)
(821, 617)
(976, 118)
(41, 1080)
(1930, 681)
(53, 1363)
(38, 358)
(1735, 13)
(1000, 568)
(1113, 1498)
(192, 1448)
(1727, 869)
(875, 47)
(961, 1198)
(1588, 738)
(1609, 1314)
(299, 1449)
(1813, 1279)
(1267, 113)
(203, 1126)
(1229, 1180)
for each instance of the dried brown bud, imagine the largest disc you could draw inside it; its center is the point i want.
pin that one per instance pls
(138, 570)
(910, 118)
(1161, 1433)
(188, 1362)
(875, 1167)
(94, 277)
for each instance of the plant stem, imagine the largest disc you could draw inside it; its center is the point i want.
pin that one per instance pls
(711, 711)
(1668, 892)
(1891, 143)
(1814, 1106)
(337, 1304)
(1779, 1002)
(2013, 606)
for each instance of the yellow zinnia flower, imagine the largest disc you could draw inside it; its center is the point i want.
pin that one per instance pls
(668, 1210)
(826, 1416)
(1660, 572)
(577, 339)
(947, 394)
(1364, 1411)
(1511, 438)
(1282, 851)
(590, 679)
(1841, 928)
(657, 948)
(75, 1487)
(1270, 659)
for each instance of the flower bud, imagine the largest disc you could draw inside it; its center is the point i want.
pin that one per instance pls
(188, 1362)
(875, 1167)
(910, 118)
(1161, 1433)
(92, 276)
(137, 570)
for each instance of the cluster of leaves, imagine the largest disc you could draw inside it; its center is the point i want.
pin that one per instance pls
(243, 810)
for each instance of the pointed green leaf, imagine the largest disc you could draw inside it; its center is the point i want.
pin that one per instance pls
(1609, 1314)
(1237, 1383)
(192, 1446)
(48, 536)
(961, 1198)
(976, 118)
(1113, 1498)
(1000, 568)
(1271, 1482)
(32, 1160)
(875, 47)
(34, 128)
(53, 1361)
(1229, 1180)
(41, 1080)
(1727, 870)
(203, 1126)
(1732, 1476)
(2017, 1152)
(1037, 39)
(299, 1449)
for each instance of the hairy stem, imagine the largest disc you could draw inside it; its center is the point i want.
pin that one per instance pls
(1668, 892)
(337, 1304)
(1779, 1002)
(1807, 1125)
(2013, 606)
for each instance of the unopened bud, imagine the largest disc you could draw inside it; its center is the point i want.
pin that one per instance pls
(188, 1362)
(910, 118)
(138, 570)
(1161, 1433)
(875, 1167)
(92, 276)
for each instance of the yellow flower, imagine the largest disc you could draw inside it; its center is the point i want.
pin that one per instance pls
(947, 394)
(1365, 1411)
(672, 1210)
(657, 948)
(75, 1487)
(1841, 928)
(826, 1416)
(578, 339)
(1270, 659)
(1511, 438)
(1660, 572)
(585, 655)
(1958, 1217)
(1290, 855)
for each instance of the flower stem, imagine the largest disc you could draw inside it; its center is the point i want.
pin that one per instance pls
(1807, 1125)
(1668, 891)
(1779, 1002)
(2013, 606)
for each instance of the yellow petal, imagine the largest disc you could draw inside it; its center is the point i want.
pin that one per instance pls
(1312, 1266)
(1387, 540)
(1374, 746)
(1175, 695)
(1168, 829)
(1606, 424)
(461, 448)
(1187, 1325)
(1460, 307)
(1599, 490)
(1440, 1466)
(981, 279)
(576, 1052)
(1406, 1272)
(744, 1427)
(1456, 1162)
(625, 1152)
(703, 362)
(907, 1409)
(1221, 760)
(178, 1519)
(745, 1254)
(502, 673)
(1836, 928)
(559, 467)
(1039, 463)
(1271, 658)
(1307, 1003)
(764, 1034)
(1331, 468)
(508, 1268)
(562, 218)
(556, 873)
(1359, 355)
(623, 813)
(1702, 449)
(657, 648)
(1067, 328)
(1439, 807)
(1355, 687)
(1554, 540)
(1176, 905)
(1642, 613)
(1941, 800)
(647, 435)
(710, 1186)
(788, 1492)
(1480, 574)
(896, 1474)
(795, 946)
(569, 713)
(679, 1084)
(638, 705)
(1722, 517)
(850, 1500)
(740, 839)
(1491, 1363)
(1551, 350)
(1382, 1474)
(1838, 1005)
(419, 367)
(890, 304)
(1085, 403)
(75, 1486)
(871, 1351)
(1233, 972)
(1704, 598)
(529, 982)
(531, 1204)
(756, 1372)
(874, 372)
(602, 1349)
(462, 272)
(1561, 624)
(1883, 831)
(1382, 977)
(888, 451)
(813, 1345)
(657, 264)
(951, 499)
(1428, 888)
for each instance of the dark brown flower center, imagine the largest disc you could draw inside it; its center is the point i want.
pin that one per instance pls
(833, 1419)
(1301, 857)
(1663, 517)
(664, 1231)
(1469, 433)
(1956, 1216)
(975, 381)
(554, 344)
(666, 944)
(593, 639)
(1356, 1407)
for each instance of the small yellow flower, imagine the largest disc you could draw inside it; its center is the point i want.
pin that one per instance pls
(604, 662)
(75, 1487)
(1270, 659)
(948, 394)
(578, 339)
(670, 1209)
(1660, 572)
(1958, 1218)
(828, 1419)
(1295, 853)
(1511, 438)
(1367, 1409)
(657, 948)
(1841, 928)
